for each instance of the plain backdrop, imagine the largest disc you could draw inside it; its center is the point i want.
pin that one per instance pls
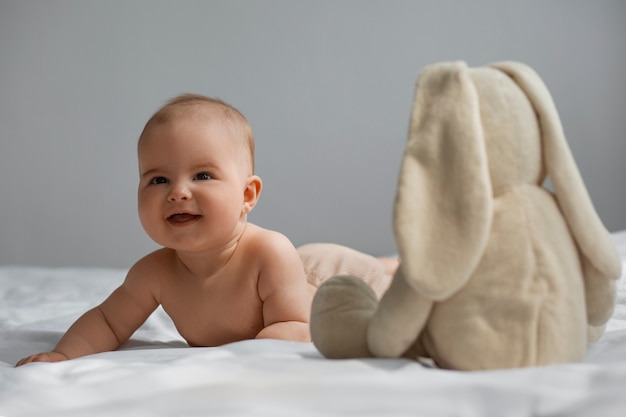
(327, 86)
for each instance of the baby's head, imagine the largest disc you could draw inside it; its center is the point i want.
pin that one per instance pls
(198, 108)
(196, 164)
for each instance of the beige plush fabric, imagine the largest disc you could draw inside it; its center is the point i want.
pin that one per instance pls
(496, 271)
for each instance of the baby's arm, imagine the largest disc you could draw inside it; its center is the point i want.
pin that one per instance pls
(108, 325)
(284, 291)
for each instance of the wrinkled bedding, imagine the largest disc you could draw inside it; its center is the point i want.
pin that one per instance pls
(156, 374)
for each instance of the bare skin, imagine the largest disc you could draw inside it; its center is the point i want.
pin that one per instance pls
(207, 310)
(220, 278)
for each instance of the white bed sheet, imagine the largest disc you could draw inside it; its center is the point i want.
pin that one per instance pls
(155, 374)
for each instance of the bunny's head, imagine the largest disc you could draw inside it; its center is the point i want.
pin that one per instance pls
(473, 134)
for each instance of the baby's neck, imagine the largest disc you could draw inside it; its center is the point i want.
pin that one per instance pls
(207, 264)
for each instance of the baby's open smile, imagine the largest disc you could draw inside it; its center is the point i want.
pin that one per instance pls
(183, 219)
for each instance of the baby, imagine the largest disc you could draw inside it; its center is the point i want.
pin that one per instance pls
(220, 278)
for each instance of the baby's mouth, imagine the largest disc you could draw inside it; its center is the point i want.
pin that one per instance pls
(182, 218)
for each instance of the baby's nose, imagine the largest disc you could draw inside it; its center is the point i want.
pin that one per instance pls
(179, 193)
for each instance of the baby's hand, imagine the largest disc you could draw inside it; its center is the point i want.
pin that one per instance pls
(43, 357)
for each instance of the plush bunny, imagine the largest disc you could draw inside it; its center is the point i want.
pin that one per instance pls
(496, 270)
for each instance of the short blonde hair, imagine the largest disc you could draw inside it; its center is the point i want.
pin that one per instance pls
(186, 105)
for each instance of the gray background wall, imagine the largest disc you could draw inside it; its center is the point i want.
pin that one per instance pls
(326, 84)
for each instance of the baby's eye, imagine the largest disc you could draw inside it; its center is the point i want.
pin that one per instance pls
(158, 180)
(203, 176)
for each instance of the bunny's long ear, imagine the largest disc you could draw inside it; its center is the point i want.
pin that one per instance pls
(600, 257)
(443, 207)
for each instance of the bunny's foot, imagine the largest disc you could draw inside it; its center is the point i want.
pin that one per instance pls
(340, 315)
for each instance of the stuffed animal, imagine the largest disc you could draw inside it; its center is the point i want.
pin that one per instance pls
(496, 270)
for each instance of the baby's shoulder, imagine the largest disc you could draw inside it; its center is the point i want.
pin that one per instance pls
(271, 239)
(152, 266)
(265, 242)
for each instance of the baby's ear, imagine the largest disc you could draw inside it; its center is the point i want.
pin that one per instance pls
(251, 193)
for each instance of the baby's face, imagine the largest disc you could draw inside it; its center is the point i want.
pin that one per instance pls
(191, 188)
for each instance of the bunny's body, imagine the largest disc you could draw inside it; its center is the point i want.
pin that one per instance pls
(524, 303)
(496, 270)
